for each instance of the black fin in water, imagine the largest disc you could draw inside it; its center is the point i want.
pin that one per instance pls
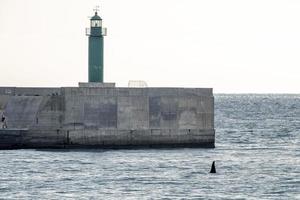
(213, 168)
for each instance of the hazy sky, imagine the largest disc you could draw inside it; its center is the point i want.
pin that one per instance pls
(230, 45)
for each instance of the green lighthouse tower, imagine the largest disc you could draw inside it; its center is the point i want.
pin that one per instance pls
(95, 34)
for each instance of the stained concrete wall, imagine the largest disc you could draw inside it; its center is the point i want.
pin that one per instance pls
(108, 116)
(30, 91)
(11, 139)
(139, 108)
(50, 113)
(21, 111)
(143, 138)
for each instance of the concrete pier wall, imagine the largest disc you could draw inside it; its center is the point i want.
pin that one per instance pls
(109, 116)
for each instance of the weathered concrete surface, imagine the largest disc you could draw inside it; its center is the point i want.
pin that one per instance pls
(23, 110)
(146, 138)
(108, 117)
(11, 138)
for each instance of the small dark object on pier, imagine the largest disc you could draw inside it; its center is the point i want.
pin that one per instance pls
(213, 168)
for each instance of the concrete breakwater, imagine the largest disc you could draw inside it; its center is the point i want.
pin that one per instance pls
(106, 117)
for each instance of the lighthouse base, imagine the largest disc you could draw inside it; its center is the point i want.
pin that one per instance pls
(97, 85)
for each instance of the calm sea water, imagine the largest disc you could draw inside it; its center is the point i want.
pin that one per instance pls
(257, 156)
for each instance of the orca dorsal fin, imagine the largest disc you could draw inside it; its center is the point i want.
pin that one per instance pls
(213, 168)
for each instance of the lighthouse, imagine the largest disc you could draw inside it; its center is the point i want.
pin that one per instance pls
(95, 50)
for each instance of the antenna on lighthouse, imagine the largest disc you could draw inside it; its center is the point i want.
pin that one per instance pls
(96, 9)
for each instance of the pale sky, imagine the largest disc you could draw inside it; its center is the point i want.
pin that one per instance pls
(233, 46)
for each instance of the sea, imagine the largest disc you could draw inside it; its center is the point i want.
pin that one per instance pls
(257, 156)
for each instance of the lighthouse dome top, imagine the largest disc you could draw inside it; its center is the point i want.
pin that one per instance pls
(96, 17)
